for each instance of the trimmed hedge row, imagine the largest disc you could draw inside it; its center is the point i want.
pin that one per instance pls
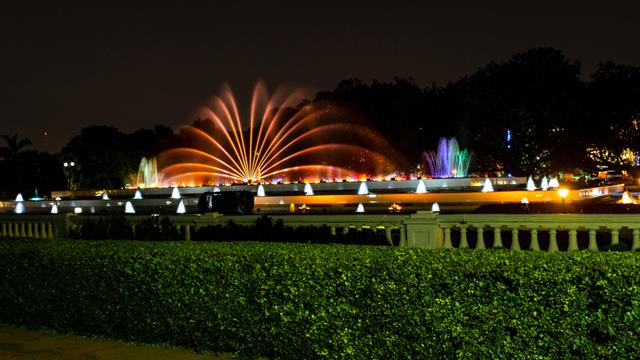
(296, 301)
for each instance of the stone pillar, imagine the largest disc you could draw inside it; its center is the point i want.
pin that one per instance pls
(636, 240)
(535, 245)
(515, 242)
(387, 234)
(615, 236)
(13, 230)
(36, 230)
(403, 236)
(553, 242)
(573, 240)
(49, 231)
(23, 233)
(497, 238)
(345, 230)
(333, 231)
(447, 238)
(29, 230)
(421, 230)
(187, 232)
(463, 237)
(4, 229)
(43, 230)
(480, 244)
(593, 245)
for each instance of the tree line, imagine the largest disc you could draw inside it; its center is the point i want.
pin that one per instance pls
(534, 113)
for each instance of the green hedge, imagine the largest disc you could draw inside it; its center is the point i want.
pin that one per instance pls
(296, 301)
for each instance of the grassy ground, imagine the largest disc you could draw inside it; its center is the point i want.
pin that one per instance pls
(21, 344)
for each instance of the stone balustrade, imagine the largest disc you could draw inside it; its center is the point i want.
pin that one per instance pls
(538, 232)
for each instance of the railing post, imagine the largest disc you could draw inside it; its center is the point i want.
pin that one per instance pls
(515, 242)
(187, 232)
(43, 230)
(615, 236)
(573, 240)
(403, 235)
(463, 237)
(553, 242)
(593, 245)
(497, 237)
(23, 233)
(387, 234)
(447, 238)
(36, 230)
(4, 229)
(636, 240)
(480, 244)
(29, 230)
(333, 231)
(49, 231)
(534, 240)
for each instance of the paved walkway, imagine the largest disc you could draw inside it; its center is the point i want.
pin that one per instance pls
(21, 344)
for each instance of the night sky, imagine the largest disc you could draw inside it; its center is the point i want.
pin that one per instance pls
(64, 68)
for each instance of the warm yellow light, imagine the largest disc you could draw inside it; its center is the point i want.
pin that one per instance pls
(563, 192)
(627, 198)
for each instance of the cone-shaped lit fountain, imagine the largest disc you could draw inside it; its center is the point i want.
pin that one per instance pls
(19, 197)
(421, 188)
(435, 208)
(488, 186)
(105, 196)
(128, 208)
(19, 209)
(308, 190)
(544, 185)
(524, 200)
(531, 186)
(260, 191)
(553, 183)
(363, 189)
(360, 208)
(54, 209)
(175, 193)
(181, 208)
(137, 195)
(216, 189)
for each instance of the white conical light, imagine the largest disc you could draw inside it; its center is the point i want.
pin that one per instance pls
(544, 184)
(19, 209)
(54, 209)
(435, 207)
(175, 194)
(105, 196)
(137, 195)
(524, 200)
(77, 210)
(128, 208)
(260, 190)
(363, 189)
(553, 183)
(216, 189)
(308, 190)
(181, 209)
(360, 208)
(531, 186)
(421, 188)
(19, 197)
(488, 186)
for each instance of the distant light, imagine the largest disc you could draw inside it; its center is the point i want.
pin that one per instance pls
(627, 198)
(19, 197)
(72, 164)
(360, 208)
(66, 164)
(524, 200)
(58, 198)
(175, 193)
(488, 186)
(260, 190)
(421, 188)
(54, 209)
(137, 195)
(20, 209)
(181, 208)
(563, 192)
(128, 208)
(77, 210)
(545, 184)
(531, 186)
(435, 208)
(553, 183)
(308, 190)
(105, 196)
(363, 189)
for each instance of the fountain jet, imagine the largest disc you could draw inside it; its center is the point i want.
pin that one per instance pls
(128, 208)
(308, 190)
(449, 161)
(421, 188)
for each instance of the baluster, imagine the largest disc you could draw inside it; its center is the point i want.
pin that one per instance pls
(463, 237)
(497, 238)
(573, 240)
(447, 238)
(403, 236)
(553, 242)
(29, 230)
(36, 230)
(636, 240)
(534, 240)
(49, 231)
(615, 236)
(387, 233)
(480, 244)
(515, 242)
(43, 230)
(593, 245)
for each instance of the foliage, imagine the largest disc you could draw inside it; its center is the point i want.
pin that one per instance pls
(103, 227)
(328, 301)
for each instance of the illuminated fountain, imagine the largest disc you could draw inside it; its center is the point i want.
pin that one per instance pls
(545, 184)
(54, 209)
(137, 195)
(553, 183)
(360, 208)
(19, 198)
(279, 139)
(421, 188)
(449, 161)
(181, 208)
(627, 198)
(148, 175)
(260, 191)
(363, 189)
(308, 190)
(531, 186)
(488, 186)
(105, 196)
(128, 208)
(175, 193)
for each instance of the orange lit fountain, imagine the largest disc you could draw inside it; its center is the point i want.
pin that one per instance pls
(279, 141)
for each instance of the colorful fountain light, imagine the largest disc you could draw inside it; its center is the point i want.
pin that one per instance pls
(148, 175)
(278, 139)
(449, 161)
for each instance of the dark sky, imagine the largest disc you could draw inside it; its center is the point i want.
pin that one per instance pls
(66, 67)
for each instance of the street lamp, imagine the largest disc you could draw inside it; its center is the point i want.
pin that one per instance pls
(563, 194)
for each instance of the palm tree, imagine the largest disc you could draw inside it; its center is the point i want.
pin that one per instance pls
(13, 147)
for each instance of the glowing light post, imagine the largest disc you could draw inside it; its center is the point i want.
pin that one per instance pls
(563, 194)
